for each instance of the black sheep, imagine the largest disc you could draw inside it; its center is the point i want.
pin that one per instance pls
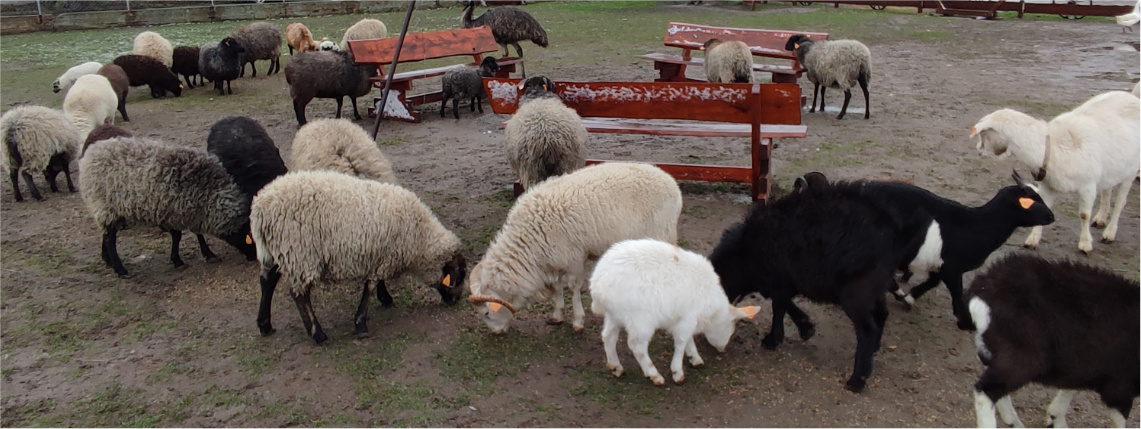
(143, 70)
(186, 64)
(247, 152)
(220, 63)
(326, 74)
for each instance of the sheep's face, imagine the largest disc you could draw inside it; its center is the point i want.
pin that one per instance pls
(232, 45)
(489, 66)
(452, 280)
(720, 329)
(242, 241)
(55, 86)
(495, 315)
(795, 41)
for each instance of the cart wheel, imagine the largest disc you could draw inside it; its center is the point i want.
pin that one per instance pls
(1071, 16)
(804, 3)
(878, 6)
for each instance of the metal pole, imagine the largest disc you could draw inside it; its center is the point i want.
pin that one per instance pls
(128, 5)
(38, 11)
(392, 71)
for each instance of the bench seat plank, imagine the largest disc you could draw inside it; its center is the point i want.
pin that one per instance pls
(700, 62)
(704, 173)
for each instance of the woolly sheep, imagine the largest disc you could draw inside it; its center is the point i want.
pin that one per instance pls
(103, 132)
(247, 152)
(1137, 87)
(560, 224)
(466, 82)
(186, 64)
(354, 229)
(544, 138)
(262, 41)
(220, 62)
(90, 102)
(342, 146)
(130, 181)
(728, 61)
(645, 285)
(1095, 148)
(37, 138)
(328, 45)
(298, 37)
(120, 83)
(151, 44)
(65, 80)
(142, 70)
(364, 29)
(837, 64)
(325, 74)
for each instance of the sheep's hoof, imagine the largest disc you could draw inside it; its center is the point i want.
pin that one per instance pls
(554, 321)
(658, 381)
(1097, 223)
(698, 364)
(1030, 246)
(679, 378)
(1106, 240)
(213, 259)
(124, 276)
(855, 385)
(771, 342)
(966, 324)
(578, 329)
(617, 370)
(807, 333)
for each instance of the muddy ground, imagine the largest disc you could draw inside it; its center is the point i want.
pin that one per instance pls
(179, 347)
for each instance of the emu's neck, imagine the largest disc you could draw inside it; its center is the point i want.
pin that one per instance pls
(466, 18)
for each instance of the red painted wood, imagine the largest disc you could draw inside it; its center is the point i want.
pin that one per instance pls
(765, 43)
(704, 173)
(425, 46)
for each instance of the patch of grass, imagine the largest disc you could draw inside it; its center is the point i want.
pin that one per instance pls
(392, 140)
(502, 198)
(481, 359)
(929, 35)
(476, 241)
(168, 371)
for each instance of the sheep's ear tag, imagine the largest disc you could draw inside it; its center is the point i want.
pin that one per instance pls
(795, 46)
(544, 87)
(520, 87)
(447, 281)
(1025, 202)
(249, 240)
(974, 131)
(751, 310)
(495, 307)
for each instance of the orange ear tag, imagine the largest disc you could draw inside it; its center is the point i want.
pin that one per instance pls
(1025, 202)
(795, 46)
(974, 131)
(495, 307)
(544, 87)
(249, 240)
(447, 280)
(751, 310)
(520, 87)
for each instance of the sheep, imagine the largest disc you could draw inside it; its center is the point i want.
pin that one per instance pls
(326, 74)
(262, 41)
(151, 44)
(103, 132)
(65, 80)
(328, 45)
(1096, 147)
(466, 82)
(221, 62)
(544, 138)
(1136, 88)
(90, 102)
(365, 29)
(509, 25)
(130, 181)
(142, 70)
(353, 229)
(837, 64)
(560, 224)
(186, 64)
(728, 61)
(298, 37)
(831, 244)
(342, 146)
(120, 83)
(645, 285)
(37, 138)
(247, 152)
(1057, 323)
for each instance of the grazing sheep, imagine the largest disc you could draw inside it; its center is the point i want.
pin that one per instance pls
(837, 64)
(326, 74)
(316, 227)
(36, 138)
(247, 152)
(1094, 148)
(1057, 323)
(298, 37)
(65, 80)
(560, 224)
(120, 83)
(364, 29)
(90, 103)
(130, 181)
(728, 61)
(545, 138)
(342, 146)
(142, 70)
(329, 45)
(103, 132)
(151, 44)
(262, 41)
(467, 82)
(645, 285)
(186, 64)
(221, 63)
(509, 25)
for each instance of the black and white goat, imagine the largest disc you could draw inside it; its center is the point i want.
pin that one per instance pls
(1060, 324)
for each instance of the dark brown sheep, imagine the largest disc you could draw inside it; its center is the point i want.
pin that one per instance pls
(186, 64)
(120, 83)
(149, 71)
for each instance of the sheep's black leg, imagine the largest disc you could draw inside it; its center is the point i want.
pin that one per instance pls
(290, 51)
(110, 234)
(815, 89)
(218, 85)
(478, 103)
(268, 279)
(312, 326)
(382, 294)
(67, 176)
(880, 315)
(50, 174)
(867, 333)
(822, 88)
(932, 281)
(847, 98)
(803, 323)
(123, 110)
(361, 319)
(14, 174)
(277, 65)
(443, 104)
(456, 107)
(776, 333)
(32, 185)
(206, 253)
(175, 239)
(230, 86)
(863, 80)
(340, 103)
(299, 110)
(356, 114)
(254, 68)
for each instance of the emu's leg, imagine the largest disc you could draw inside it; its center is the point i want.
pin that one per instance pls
(360, 321)
(1007, 412)
(610, 345)
(863, 80)
(1086, 195)
(776, 332)
(175, 239)
(803, 323)
(269, 277)
(1122, 191)
(31, 185)
(110, 233)
(557, 315)
(1056, 412)
(523, 65)
(683, 335)
(308, 318)
(206, 253)
(14, 174)
(382, 294)
(847, 98)
(639, 342)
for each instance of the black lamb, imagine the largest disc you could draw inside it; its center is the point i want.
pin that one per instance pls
(467, 82)
(247, 152)
(326, 74)
(186, 64)
(220, 63)
(143, 70)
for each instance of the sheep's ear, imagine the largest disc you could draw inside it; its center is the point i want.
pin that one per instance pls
(974, 130)
(495, 307)
(520, 87)
(544, 87)
(447, 281)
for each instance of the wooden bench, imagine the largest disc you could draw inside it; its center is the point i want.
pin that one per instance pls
(759, 112)
(763, 43)
(471, 43)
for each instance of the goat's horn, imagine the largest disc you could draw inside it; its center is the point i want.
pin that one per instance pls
(479, 299)
(1017, 178)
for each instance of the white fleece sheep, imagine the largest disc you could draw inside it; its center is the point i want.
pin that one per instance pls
(37, 139)
(840, 64)
(364, 29)
(342, 146)
(65, 80)
(544, 138)
(151, 44)
(317, 227)
(1094, 148)
(728, 61)
(91, 102)
(559, 225)
(645, 285)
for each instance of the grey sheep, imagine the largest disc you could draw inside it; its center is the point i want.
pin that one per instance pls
(544, 138)
(728, 61)
(37, 138)
(262, 41)
(837, 64)
(467, 82)
(342, 146)
(326, 74)
(220, 62)
(120, 83)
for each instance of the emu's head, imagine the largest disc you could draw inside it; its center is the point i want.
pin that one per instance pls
(1023, 203)
(451, 281)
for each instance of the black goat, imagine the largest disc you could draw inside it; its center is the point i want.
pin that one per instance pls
(1061, 324)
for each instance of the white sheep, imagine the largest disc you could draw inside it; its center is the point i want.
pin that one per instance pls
(342, 146)
(1137, 89)
(839, 64)
(644, 285)
(65, 80)
(559, 225)
(329, 45)
(364, 29)
(316, 227)
(91, 102)
(728, 61)
(545, 137)
(151, 44)
(37, 139)
(1095, 148)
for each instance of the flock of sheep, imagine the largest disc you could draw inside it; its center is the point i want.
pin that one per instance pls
(339, 213)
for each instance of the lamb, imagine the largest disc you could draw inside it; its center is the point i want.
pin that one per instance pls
(467, 82)
(364, 29)
(838, 64)
(130, 181)
(142, 70)
(645, 285)
(221, 63)
(90, 102)
(1095, 148)
(186, 64)
(37, 138)
(65, 80)
(560, 224)
(326, 74)
(247, 152)
(509, 25)
(298, 37)
(544, 138)
(120, 83)
(103, 132)
(262, 41)
(1057, 323)
(728, 61)
(354, 229)
(151, 44)
(342, 146)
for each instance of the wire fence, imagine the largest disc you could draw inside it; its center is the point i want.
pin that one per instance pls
(56, 7)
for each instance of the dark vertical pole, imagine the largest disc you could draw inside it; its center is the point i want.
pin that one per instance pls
(391, 71)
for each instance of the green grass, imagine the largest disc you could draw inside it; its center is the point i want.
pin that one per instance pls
(480, 359)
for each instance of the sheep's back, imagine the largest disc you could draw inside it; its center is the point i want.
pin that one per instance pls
(364, 29)
(544, 138)
(118, 78)
(186, 60)
(247, 152)
(90, 103)
(151, 44)
(838, 63)
(341, 146)
(37, 133)
(727, 61)
(214, 63)
(464, 81)
(262, 41)
(326, 74)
